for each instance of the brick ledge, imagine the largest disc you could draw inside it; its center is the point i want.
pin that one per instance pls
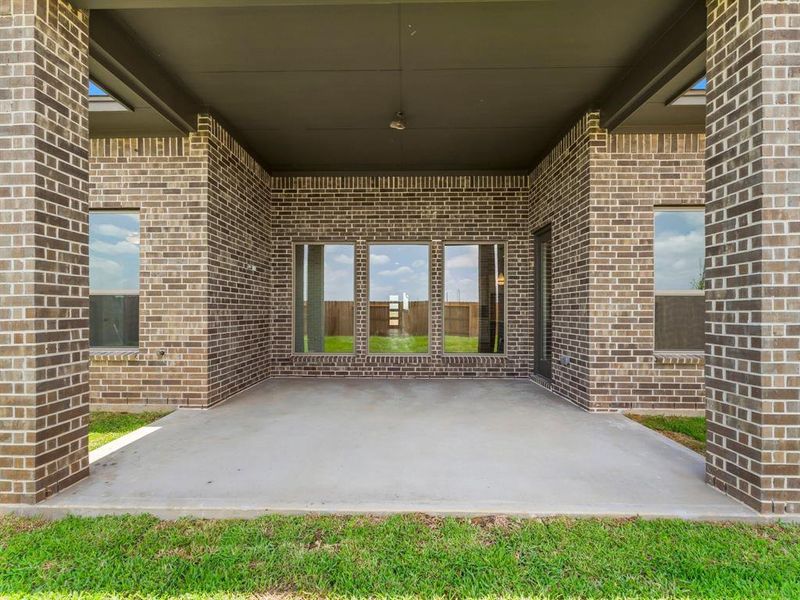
(114, 354)
(680, 358)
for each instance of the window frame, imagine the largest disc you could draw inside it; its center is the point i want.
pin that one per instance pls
(297, 243)
(429, 245)
(121, 292)
(503, 243)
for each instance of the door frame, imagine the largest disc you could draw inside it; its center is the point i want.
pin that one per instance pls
(541, 367)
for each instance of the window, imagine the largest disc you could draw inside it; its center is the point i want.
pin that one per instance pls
(399, 306)
(694, 96)
(114, 279)
(323, 298)
(679, 251)
(101, 101)
(474, 298)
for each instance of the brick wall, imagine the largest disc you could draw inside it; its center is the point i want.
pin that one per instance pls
(204, 222)
(632, 174)
(239, 223)
(753, 261)
(560, 189)
(597, 191)
(216, 231)
(165, 179)
(43, 248)
(427, 209)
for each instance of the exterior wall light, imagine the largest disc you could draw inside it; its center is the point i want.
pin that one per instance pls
(501, 279)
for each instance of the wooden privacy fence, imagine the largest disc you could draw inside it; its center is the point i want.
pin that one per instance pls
(413, 321)
(460, 318)
(339, 317)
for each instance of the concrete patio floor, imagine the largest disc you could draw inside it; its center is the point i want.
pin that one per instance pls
(377, 446)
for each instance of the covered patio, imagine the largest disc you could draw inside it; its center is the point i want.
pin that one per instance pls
(365, 229)
(368, 446)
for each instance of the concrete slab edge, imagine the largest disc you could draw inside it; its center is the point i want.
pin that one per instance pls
(171, 513)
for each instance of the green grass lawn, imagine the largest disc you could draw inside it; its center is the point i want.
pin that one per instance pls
(689, 431)
(460, 344)
(107, 426)
(406, 344)
(343, 344)
(399, 557)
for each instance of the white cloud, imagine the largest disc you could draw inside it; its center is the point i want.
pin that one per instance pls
(462, 257)
(342, 259)
(104, 265)
(379, 259)
(122, 247)
(460, 288)
(113, 231)
(338, 284)
(679, 260)
(106, 274)
(396, 272)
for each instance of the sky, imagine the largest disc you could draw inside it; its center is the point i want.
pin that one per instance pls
(398, 269)
(339, 274)
(113, 251)
(461, 273)
(96, 90)
(679, 249)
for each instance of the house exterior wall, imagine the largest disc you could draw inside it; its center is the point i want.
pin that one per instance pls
(598, 192)
(217, 287)
(239, 267)
(44, 333)
(165, 180)
(632, 174)
(559, 198)
(753, 256)
(204, 221)
(431, 210)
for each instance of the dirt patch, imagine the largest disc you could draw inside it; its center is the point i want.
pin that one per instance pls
(11, 525)
(501, 522)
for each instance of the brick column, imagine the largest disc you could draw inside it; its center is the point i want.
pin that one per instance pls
(753, 252)
(43, 248)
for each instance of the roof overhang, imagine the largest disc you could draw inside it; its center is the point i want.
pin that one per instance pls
(312, 85)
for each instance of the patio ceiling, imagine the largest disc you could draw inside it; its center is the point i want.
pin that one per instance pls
(485, 86)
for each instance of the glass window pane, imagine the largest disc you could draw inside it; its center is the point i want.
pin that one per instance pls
(113, 279)
(680, 323)
(113, 321)
(114, 252)
(474, 298)
(399, 304)
(679, 250)
(324, 298)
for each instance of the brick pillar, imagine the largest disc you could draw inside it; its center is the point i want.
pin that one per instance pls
(43, 248)
(753, 252)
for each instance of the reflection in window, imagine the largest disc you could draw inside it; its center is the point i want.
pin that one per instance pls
(679, 249)
(398, 298)
(323, 298)
(694, 96)
(113, 279)
(474, 298)
(679, 252)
